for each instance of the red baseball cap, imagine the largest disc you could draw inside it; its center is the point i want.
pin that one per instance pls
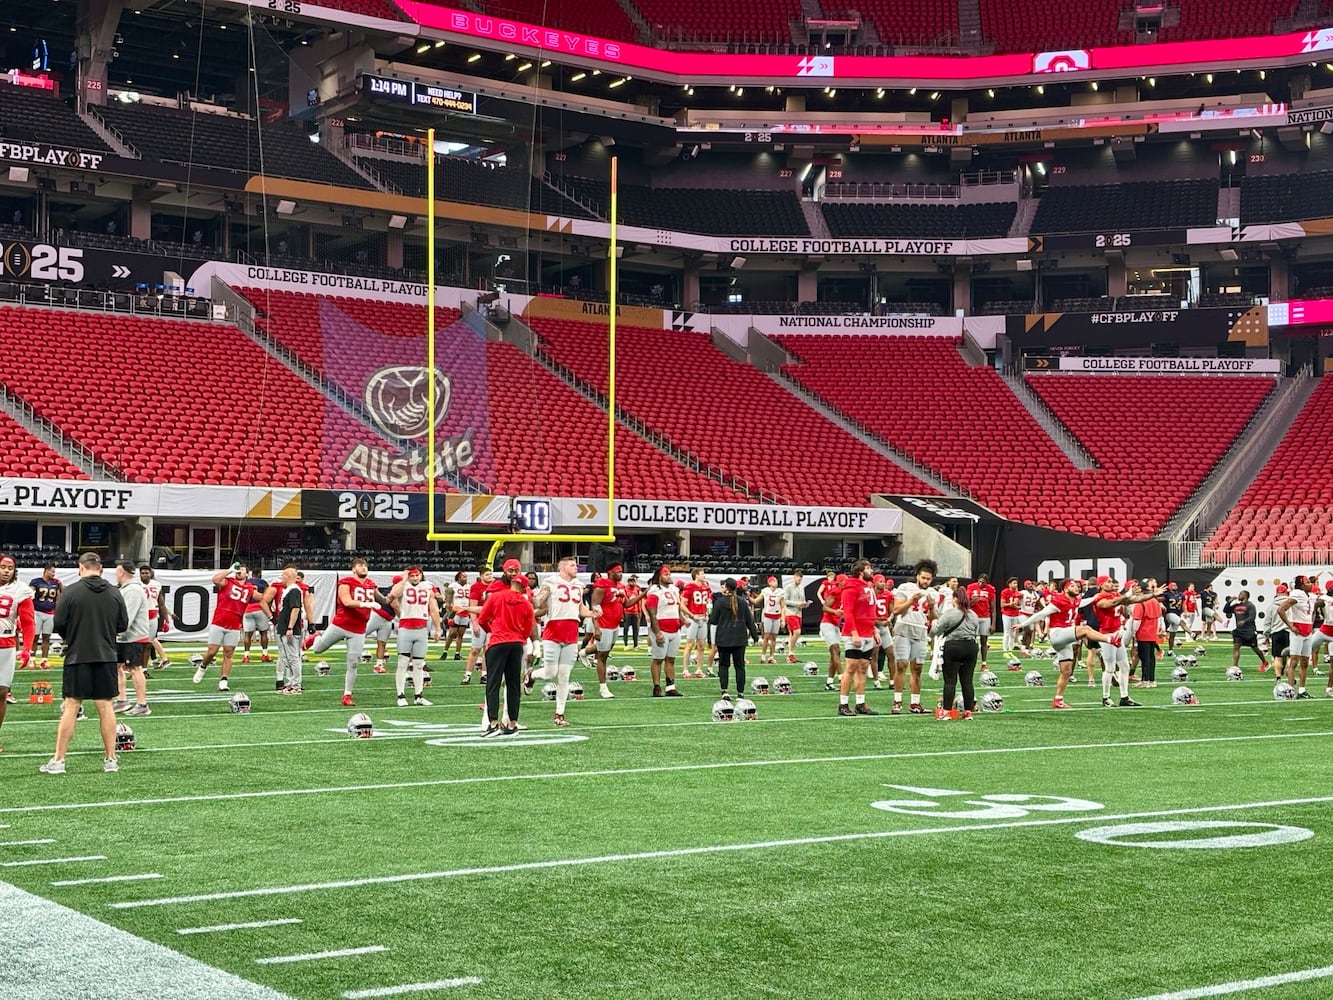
(878, 578)
(772, 579)
(1102, 581)
(1328, 587)
(512, 566)
(1281, 588)
(1171, 585)
(889, 583)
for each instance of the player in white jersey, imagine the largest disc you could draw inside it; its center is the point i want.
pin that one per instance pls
(771, 605)
(560, 600)
(18, 624)
(414, 601)
(1028, 602)
(458, 617)
(1297, 612)
(914, 610)
(665, 615)
(159, 616)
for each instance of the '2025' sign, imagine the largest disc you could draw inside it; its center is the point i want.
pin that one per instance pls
(41, 262)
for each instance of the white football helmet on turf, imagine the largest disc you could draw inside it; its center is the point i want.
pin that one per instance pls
(124, 737)
(992, 701)
(612, 672)
(759, 685)
(1180, 675)
(239, 703)
(1282, 691)
(628, 674)
(989, 680)
(723, 711)
(1184, 696)
(575, 691)
(196, 659)
(1200, 650)
(1235, 674)
(1013, 663)
(367, 657)
(360, 727)
(1033, 679)
(782, 685)
(548, 692)
(811, 668)
(746, 710)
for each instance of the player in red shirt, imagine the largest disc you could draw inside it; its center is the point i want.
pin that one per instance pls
(477, 648)
(696, 596)
(18, 627)
(357, 598)
(981, 596)
(883, 631)
(1011, 609)
(1109, 606)
(234, 591)
(830, 623)
(608, 604)
(508, 618)
(859, 612)
(1066, 630)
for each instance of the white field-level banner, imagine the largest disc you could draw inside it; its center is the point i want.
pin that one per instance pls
(104, 501)
(751, 517)
(1173, 366)
(284, 279)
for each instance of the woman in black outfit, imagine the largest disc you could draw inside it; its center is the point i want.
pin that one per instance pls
(734, 620)
(958, 628)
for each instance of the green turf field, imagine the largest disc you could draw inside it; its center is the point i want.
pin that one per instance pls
(649, 852)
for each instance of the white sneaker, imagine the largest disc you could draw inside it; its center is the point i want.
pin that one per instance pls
(199, 675)
(223, 685)
(109, 766)
(879, 685)
(53, 766)
(605, 692)
(419, 700)
(402, 702)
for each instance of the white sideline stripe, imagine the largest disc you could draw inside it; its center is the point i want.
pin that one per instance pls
(315, 956)
(52, 861)
(54, 953)
(397, 991)
(1242, 985)
(25, 843)
(422, 735)
(681, 852)
(663, 769)
(108, 878)
(248, 925)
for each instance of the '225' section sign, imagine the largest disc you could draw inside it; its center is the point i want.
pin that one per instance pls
(41, 262)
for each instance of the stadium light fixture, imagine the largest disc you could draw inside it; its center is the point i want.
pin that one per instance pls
(577, 77)
(545, 63)
(423, 48)
(1041, 89)
(616, 83)
(510, 58)
(440, 43)
(474, 57)
(912, 92)
(525, 67)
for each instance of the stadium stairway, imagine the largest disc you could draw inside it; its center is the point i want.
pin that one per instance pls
(526, 339)
(36, 448)
(1078, 455)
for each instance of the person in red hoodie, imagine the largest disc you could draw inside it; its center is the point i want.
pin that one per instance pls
(508, 618)
(858, 633)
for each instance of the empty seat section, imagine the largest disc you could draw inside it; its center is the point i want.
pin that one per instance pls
(29, 457)
(1289, 505)
(1137, 205)
(1050, 25)
(29, 115)
(728, 414)
(739, 20)
(715, 211)
(475, 182)
(930, 221)
(1205, 19)
(1286, 197)
(925, 22)
(603, 18)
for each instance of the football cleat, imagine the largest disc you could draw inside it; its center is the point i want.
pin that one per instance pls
(989, 680)
(1282, 691)
(1059, 703)
(810, 669)
(1235, 674)
(421, 702)
(1180, 675)
(782, 685)
(1128, 702)
(223, 685)
(348, 702)
(575, 691)
(402, 701)
(746, 710)
(917, 709)
(548, 692)
(992, 701)
(1034, 679)
(560, 721)
(239, 703)
(310, 640)
(1184, 696)
(864, 709)
(723, 711)
(124, 737)
(360, 727)
(759, 685)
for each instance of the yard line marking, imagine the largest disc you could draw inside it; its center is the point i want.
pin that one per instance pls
(51, 861)
(662, 769)
(315, 956)
(25, 843)
(107, 878)
(397, 991)
(681, 852)
(1241, 986)
(248, 925)
(1243, 715)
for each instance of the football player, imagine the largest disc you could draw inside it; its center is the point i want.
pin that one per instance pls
(914, 609)
(830, 624)
(224, 632)
(858, 630)
(380, 628)
(1066, 630)
(477, 639)
(133, 648)
(770, 603)
(609, 603)
(256, 621)
(357, 598)
(456, 599)
(414, 600)
(561, 601)
(697, 595)
(45, 592)
(794, 603)
(1108, 605)
(1296, 610)
(159, 617)
(17, 628)
(665, 613)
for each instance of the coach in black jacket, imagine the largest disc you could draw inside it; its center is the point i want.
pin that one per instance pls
(89, 616)
(734, 620)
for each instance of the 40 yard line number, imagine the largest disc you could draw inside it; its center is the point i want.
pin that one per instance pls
(934, 803)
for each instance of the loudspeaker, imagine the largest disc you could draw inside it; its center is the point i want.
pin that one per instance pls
(286, 207)
(602, 557)
(397, 221)
(18, 175)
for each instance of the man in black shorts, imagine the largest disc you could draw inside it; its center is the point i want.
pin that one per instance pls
(89, 615)
(133, 644)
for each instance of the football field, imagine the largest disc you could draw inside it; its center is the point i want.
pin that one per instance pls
(1166, 851)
